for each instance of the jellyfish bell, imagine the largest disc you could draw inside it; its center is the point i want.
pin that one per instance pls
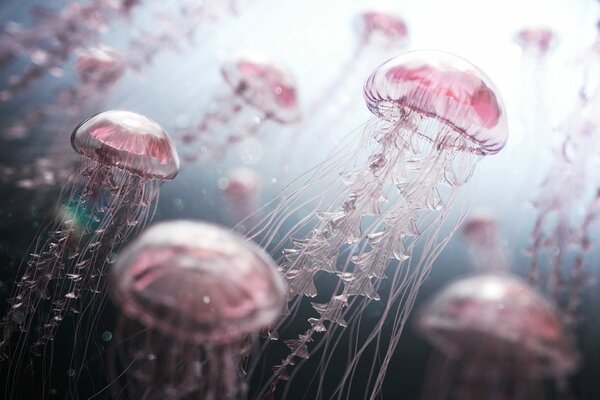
(265, 85)
(443, 87)
(100, 66)
(382, 27)
(499, 324)
(128, 141)
(241, 189)
(200, 291)
(536, 41)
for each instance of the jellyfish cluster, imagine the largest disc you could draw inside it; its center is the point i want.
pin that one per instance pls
(313, 238)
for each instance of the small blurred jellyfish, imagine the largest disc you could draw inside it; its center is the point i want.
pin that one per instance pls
(240, 189)
(112, 193)
(436, 115)
(500, 339)
(536, 44)
(568, 199)
(259, 91)
(193, 297)
(485, 244)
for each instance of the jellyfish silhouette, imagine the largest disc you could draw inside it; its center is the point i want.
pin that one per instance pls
(240, 190)
(262, 91)
(195, 296)
(501, 340)
(534, 78)
(436, 115)
(485, 244)
(125, 157)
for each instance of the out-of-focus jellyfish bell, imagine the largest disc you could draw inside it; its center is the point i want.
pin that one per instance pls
(200, 291)
(100, 66)
(241, 189)
(498, 319)
(258, 91)
(536, 41)
(265, 85)
(373, 26)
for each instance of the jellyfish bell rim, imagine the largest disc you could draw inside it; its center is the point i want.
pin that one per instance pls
(476, 146)
(441, 334)
(293, 114)
(199, 331)
(174, 156)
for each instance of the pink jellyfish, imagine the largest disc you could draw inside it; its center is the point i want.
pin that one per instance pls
(536, 46)
(240, 189)
(501, 339)
(485, 243)
(114, 191)
(436, 115)
(195, 295)
(262, 91)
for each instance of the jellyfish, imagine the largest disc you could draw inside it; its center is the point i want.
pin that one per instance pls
(125, 157)
(436, 114)
(485, 244)
(240, 189)
(195, 295)
(259, 91)
(536, 44)
(500, 339)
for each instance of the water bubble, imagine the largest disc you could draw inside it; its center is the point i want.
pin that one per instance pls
(106, 336)
(70, 372)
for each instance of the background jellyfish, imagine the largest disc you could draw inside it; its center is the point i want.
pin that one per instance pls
(485, 244)
(125, 157)
(201, 295)
(43, 53)
(436, 115)
(501, 340)
(262, 91)
(536, 44)
(240, 189)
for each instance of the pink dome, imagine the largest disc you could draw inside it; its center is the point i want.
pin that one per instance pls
(444, 87)
(128, 141)
(265, 85)
(492, 315)
(197, 282)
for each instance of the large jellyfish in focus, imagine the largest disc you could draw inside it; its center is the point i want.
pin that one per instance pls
(436, 115)
(193, 298)
(111, 194)
(262, 91)
(500, 337)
